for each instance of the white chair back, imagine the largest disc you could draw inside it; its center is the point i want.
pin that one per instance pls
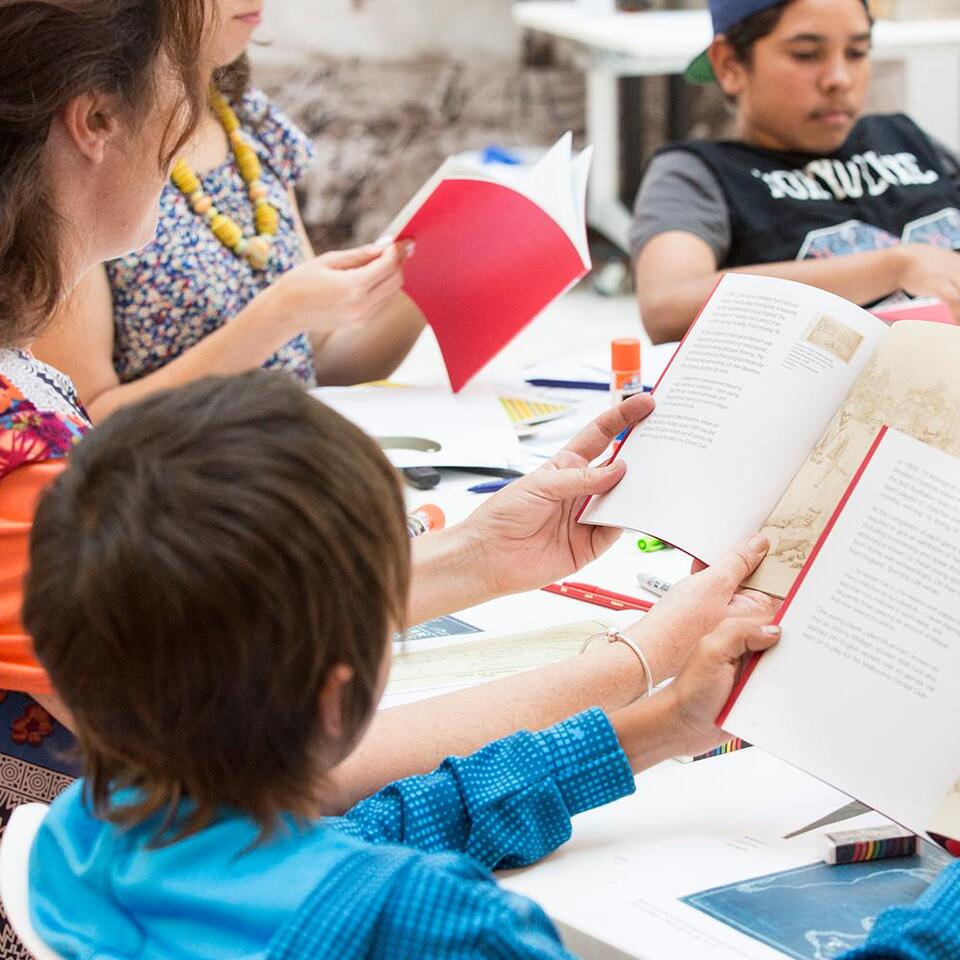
(14, 886)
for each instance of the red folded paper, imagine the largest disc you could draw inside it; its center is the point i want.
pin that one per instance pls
(492, 253)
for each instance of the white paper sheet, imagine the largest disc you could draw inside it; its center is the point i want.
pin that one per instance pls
(470, 429)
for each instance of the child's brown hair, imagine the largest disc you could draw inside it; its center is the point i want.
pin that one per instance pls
(206, 558)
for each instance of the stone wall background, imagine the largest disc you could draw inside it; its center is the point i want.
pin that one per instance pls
(388, 88)
(380, 129)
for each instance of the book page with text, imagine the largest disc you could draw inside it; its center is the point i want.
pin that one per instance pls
(752, 386)
(862, 689)
(911, 384)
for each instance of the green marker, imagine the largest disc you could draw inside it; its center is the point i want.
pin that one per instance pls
(650, 544)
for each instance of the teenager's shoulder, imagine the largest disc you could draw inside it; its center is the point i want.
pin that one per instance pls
(898, 121)
(680, 191)
(895, 124)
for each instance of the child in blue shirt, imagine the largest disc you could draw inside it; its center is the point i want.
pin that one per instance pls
(215, 605)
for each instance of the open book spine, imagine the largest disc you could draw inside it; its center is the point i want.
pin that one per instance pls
(489, 260)
(755, 658)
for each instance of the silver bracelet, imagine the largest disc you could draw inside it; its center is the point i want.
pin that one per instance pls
(612, 635)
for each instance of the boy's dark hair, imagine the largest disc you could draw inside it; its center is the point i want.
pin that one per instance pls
(744, 35)
(205, 559)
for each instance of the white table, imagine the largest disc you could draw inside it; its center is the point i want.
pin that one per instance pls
(649, 44)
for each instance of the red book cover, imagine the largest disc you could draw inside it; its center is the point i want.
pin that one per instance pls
(490, 257)
(935, 311)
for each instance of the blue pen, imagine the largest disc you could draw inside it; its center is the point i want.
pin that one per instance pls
(491, 486)
(575, 384)
(569, 384)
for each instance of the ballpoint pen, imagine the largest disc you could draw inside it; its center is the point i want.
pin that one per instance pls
(491, 486)
(574, 384)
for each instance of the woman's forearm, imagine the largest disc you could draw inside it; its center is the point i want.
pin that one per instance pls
(448, 574)
(369, 351)
(244, 343)
(858, 277)
(668, 305)
(414, 738)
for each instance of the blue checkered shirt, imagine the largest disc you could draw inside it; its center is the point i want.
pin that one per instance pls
(403, 874)
(406, 894)
(928, 929)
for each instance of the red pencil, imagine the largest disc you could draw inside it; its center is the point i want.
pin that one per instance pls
(602, 592)
(592, 596)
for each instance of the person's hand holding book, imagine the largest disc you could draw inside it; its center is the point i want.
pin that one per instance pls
(697, 604)
(929, 271)
(528, 534)
(681, 719)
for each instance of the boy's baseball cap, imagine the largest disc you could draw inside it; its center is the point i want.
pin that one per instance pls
(725, 14)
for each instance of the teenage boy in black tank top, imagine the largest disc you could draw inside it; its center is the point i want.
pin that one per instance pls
(808, 190)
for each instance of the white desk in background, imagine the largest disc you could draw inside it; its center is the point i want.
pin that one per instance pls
(664, 42)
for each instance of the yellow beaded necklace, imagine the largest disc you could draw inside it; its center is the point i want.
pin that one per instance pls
(256, 249)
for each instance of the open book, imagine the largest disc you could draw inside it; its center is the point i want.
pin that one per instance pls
(765, 413)
(495, 245)
(862, 689)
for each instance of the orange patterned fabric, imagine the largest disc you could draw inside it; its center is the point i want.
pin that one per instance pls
(41, 420)
(19, 492)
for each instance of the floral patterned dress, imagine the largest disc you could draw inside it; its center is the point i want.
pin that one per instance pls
(186, 284)
(41, 420)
